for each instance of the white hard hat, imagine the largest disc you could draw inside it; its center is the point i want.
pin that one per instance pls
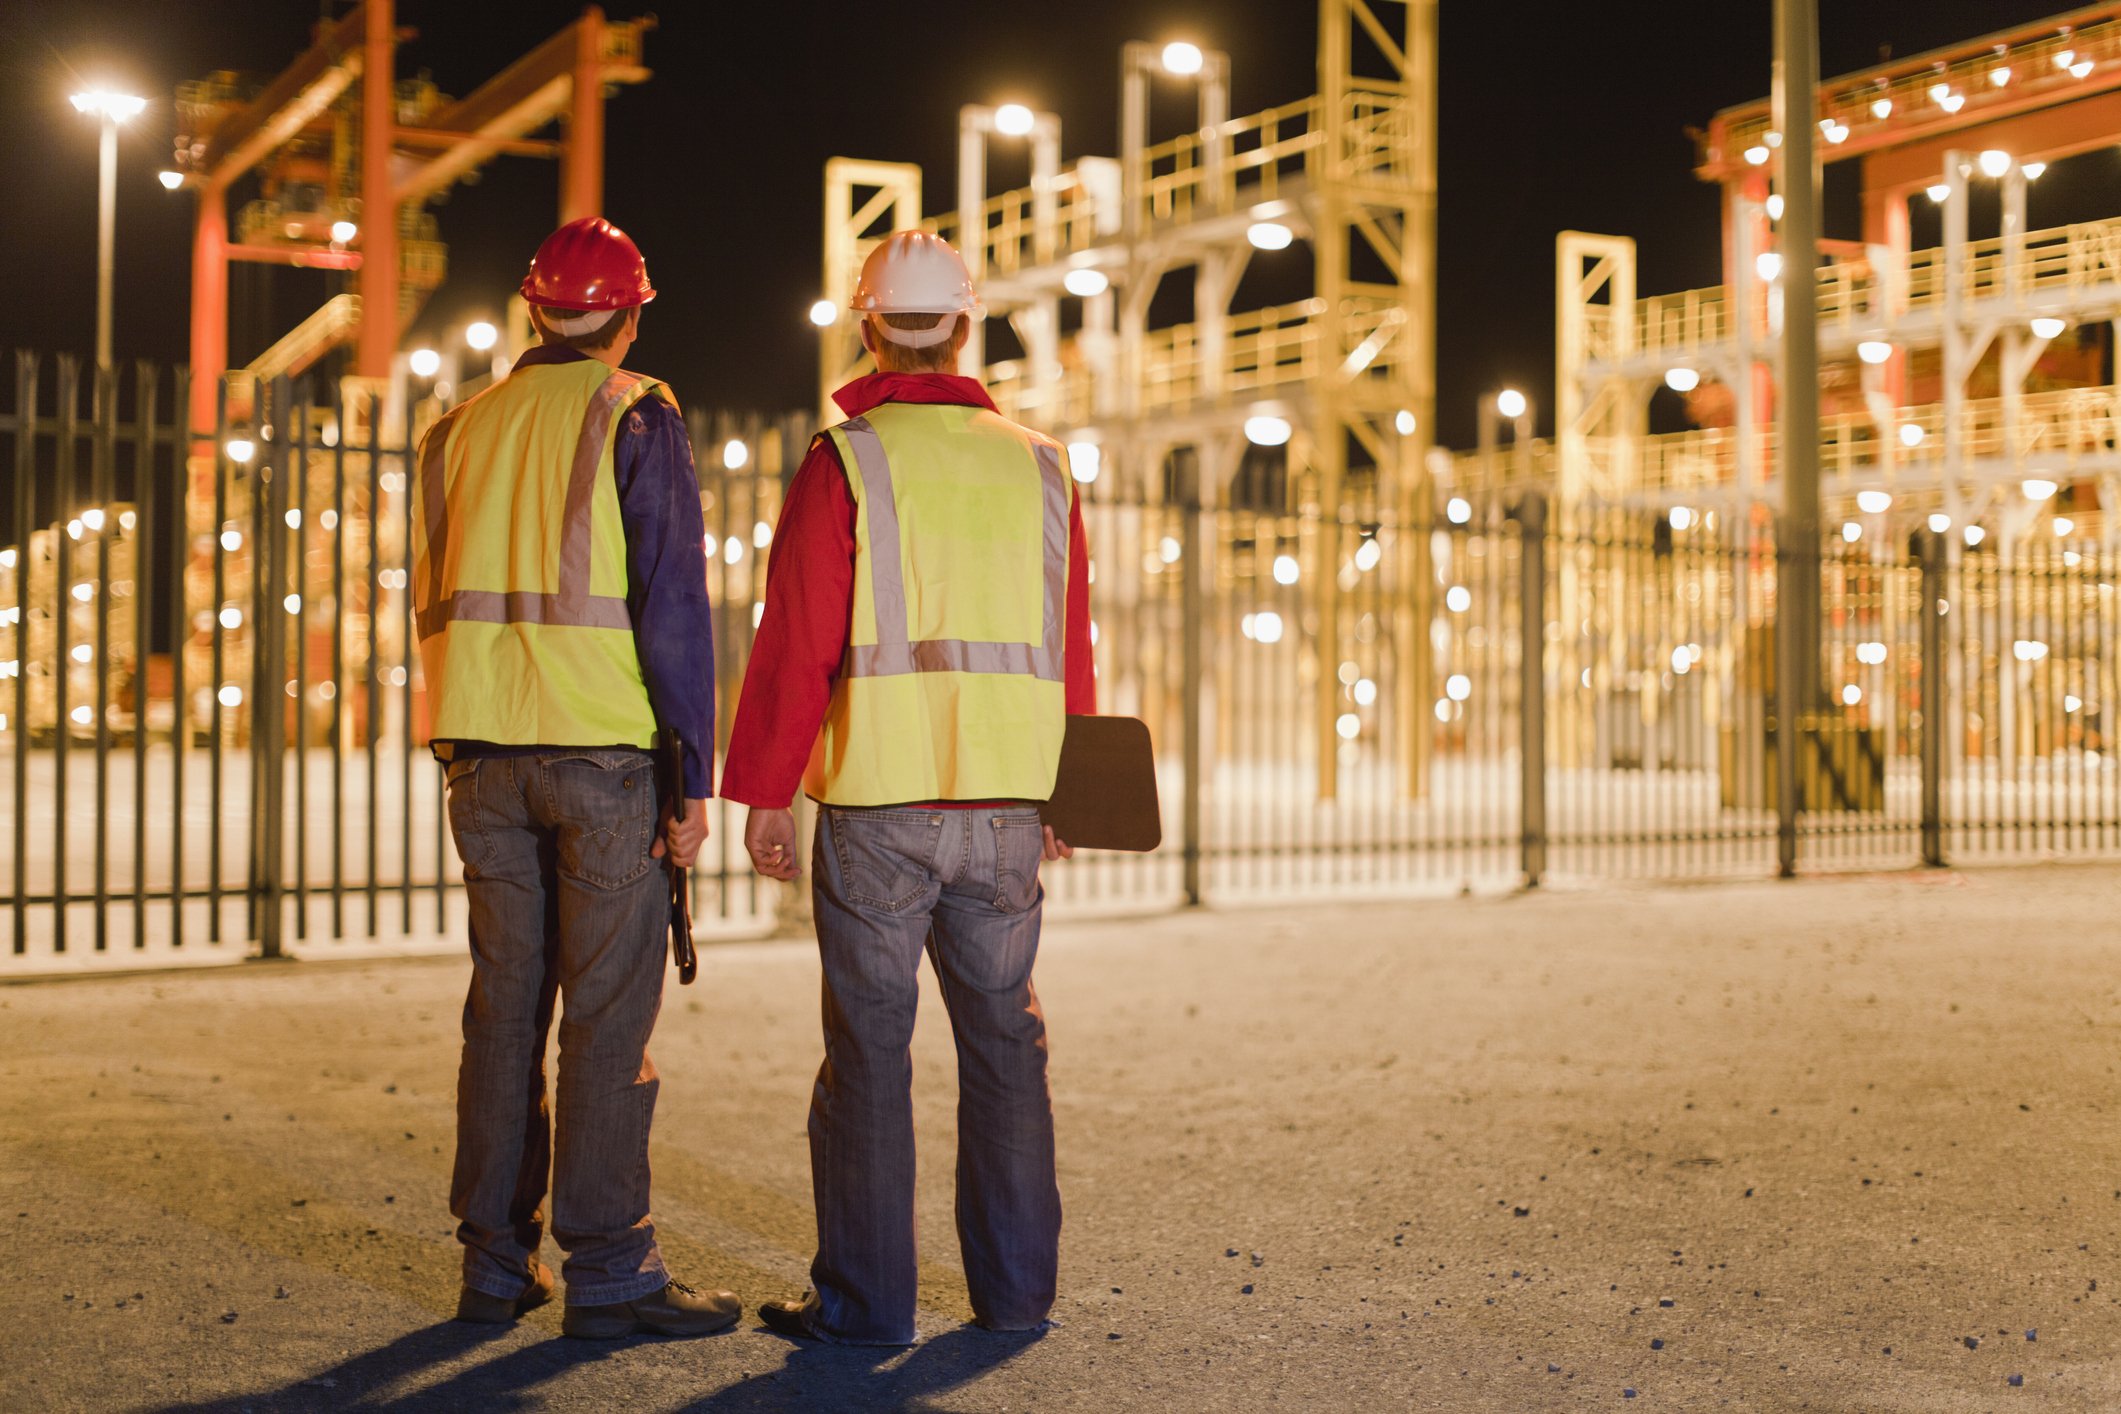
(913, 272)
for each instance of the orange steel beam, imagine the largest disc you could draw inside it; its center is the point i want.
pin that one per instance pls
(2045, 135)
(306, 257)
(515, 147)
(582, 174)
(303, 91)
(529, 93)
(378, 277)
(209, 307)
(1721, 154)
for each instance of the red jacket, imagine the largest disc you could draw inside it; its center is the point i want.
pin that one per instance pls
(802, 639)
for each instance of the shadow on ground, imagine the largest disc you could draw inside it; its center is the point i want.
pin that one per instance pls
(811, 1376)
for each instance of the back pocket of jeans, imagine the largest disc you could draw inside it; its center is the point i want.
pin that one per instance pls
(884, 855)
(1019, 846)
(604, 804)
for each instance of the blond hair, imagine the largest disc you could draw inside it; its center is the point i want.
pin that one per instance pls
(898, 358)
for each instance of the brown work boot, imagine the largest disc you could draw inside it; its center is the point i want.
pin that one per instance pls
(483, 1309)
(675, 1310)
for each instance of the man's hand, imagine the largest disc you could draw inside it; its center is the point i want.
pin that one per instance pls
(681, 839)
(1056, 847)
(769, 838)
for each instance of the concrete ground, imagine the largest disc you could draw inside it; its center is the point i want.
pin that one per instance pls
(1832, 1145)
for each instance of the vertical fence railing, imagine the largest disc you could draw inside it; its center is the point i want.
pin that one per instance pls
(213, 720)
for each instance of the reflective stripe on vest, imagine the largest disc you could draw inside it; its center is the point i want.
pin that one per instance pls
(892, 653)
(951, 686)
(519, 565)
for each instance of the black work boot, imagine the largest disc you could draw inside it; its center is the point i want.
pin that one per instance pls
(675, 1310)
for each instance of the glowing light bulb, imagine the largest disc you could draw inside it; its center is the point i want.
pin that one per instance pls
(2037, 488)
(344, 231)
(1882, 108)
(170, 180)
(1085, 461)
(824, 313)
(1775, 207)
(1975, 534)
(1681, 380)
(1013, 120)
(240, 449)
(1181, 58)
(1459, 510)
(1873, 503)
(1286, 570)
(1768, 265)
(1267, 431)
(1510, 403)
(1404, 423)
(1757, 155)
(2048, 327)
(1994, 162)
(424, 363)
(1269, 235)
(1939, 192)
(735, 455)
(1911, 434)
(481, 335)
(1940, 522)
(1086, 283)
(1874, 351)
(2033, 170)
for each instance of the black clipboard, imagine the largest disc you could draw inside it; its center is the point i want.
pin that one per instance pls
(1104, 796)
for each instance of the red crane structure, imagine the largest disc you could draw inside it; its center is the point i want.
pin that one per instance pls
(348, 155)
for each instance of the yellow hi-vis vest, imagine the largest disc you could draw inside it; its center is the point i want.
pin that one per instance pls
(952, 686)
(519, 564)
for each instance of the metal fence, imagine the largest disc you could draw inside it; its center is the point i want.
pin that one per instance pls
(213, 725)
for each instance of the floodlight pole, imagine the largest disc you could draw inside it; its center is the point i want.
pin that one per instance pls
(1795, 105)
(106, 233)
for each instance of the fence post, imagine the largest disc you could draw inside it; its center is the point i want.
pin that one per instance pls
(1789, 692)
(1532, 690)
(1192, 608)
(268, 722)
(1935, 605)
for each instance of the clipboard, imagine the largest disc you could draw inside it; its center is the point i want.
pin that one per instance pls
(1104, 796)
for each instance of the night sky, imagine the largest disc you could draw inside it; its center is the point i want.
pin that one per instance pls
(1553, 116)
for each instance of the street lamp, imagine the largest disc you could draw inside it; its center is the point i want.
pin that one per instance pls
(976, 123)
(1516, 408)
(110, 109)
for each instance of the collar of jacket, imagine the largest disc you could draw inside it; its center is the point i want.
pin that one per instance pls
(876, 389)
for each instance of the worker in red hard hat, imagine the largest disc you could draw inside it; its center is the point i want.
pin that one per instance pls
(926, 631)
(560, 583)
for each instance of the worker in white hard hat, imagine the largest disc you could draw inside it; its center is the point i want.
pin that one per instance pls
(926, 631)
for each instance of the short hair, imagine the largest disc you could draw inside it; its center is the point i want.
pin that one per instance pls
(600, 337)
(940, 357)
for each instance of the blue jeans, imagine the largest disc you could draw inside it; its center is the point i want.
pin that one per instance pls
(963, 885)
(565, 901)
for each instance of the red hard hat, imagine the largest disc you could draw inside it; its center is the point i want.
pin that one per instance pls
(588, 264)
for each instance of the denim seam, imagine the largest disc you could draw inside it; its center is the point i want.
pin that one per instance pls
(477, 817)
(1002, 872)
(617, 1293)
